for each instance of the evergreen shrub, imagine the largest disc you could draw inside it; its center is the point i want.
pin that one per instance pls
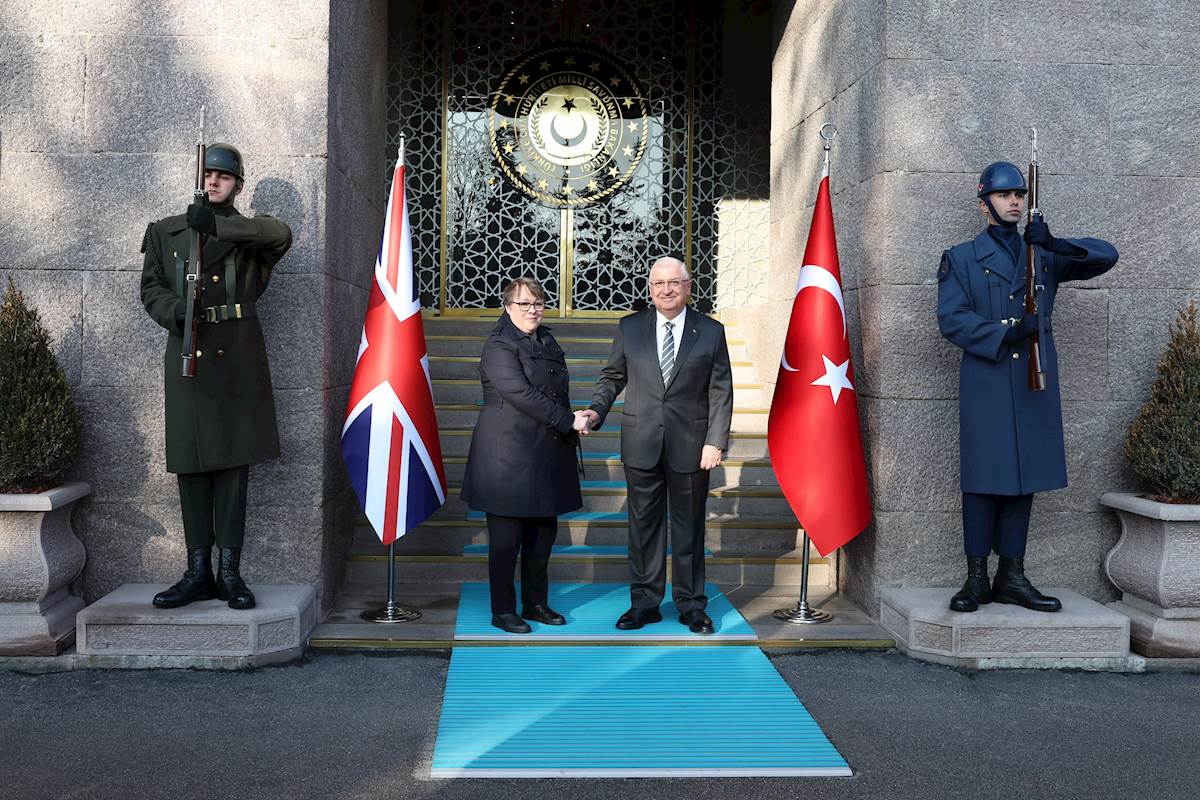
(39, 424)
(1163, 447)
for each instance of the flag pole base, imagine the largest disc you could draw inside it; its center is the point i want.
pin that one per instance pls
(802, 614)
(391, 613)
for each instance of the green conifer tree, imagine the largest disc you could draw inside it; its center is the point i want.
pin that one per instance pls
(1163, 447)
(39, 424)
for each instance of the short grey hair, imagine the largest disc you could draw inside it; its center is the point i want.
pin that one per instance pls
(672, 260)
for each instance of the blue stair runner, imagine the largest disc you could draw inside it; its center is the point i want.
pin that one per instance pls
(605, 711)
(573, 551)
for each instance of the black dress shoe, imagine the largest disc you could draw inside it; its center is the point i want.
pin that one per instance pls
(1011, 586)
(230, 586)
(697, 621)
(636, 618)
(976, 591)
(543, 614)
(196, 584)
(510, 623)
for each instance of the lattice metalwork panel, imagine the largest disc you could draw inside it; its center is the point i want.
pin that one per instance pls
(414, 108)
(494, 233)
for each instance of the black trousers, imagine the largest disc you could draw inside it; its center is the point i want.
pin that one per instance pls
(996, 522)
(662, 499)
(214, 507)
(532, 537)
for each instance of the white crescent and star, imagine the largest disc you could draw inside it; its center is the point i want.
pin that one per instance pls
(835, 376)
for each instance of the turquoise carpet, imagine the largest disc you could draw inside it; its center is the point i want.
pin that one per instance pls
(606, 711)
(591, 610)
(573, 550)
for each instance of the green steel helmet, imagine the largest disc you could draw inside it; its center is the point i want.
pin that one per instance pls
(1001, 177)
(226, 158)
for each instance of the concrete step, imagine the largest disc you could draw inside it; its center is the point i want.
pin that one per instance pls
(457, 442)
(365, 571)
(581, 369)
(607, 467)
(464, 415)
(722, 534)
(483, 324)
(452, 344)
(468, 390)
(612, 496)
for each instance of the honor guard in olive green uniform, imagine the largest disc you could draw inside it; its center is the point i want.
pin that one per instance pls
(223, 419)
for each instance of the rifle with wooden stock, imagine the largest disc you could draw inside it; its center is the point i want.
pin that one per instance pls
(194, 289)
(1037, 375)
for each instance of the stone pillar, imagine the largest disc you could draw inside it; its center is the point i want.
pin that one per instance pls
(925, 94)
(98, 116)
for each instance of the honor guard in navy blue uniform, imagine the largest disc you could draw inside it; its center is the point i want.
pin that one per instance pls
(1010, 436)
(222, 419)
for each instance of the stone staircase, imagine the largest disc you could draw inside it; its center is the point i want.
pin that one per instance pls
(752, 534)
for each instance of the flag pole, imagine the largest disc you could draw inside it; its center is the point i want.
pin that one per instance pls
(392, 611)
(803, 613)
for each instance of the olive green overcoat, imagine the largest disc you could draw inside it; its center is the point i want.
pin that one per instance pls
(224, 416)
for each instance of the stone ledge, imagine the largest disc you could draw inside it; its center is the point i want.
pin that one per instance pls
(125, 626)
(1083, 635)
(1158, 636)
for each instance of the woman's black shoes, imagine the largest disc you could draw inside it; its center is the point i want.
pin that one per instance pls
(510, 623)
(543, 614)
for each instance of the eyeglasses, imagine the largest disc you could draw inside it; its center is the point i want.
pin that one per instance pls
(674, 283)
(525, 305)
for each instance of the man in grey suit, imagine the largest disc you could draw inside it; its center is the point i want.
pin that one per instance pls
(674, 365)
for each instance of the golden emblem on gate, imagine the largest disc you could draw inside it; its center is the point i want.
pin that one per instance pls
(568, 126)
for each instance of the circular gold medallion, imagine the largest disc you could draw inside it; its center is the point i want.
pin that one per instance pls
(568, 126)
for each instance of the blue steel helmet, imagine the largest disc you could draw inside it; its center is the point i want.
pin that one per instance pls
(224, 157)
(1001, 177)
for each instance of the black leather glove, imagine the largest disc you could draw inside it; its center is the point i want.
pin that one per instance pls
(201, 218)
(1022, 330)
(1037, 232)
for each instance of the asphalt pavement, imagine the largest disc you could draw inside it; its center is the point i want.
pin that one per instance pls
(363, 726)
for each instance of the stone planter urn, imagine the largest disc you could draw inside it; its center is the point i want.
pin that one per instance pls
(1156, 565)
(39, 558)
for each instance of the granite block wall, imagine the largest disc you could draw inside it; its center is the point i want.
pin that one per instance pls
(924, 95)
(98, 115)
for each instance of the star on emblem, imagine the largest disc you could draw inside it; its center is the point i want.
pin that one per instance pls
(835, 378)
(508, 148)
(522, 169)
(568, 103)
(523, 78)
(542, 184)
(504, 123)
(627, 102)
(591, 185)
(613, 170)
(566, 189)
(628, 151)
(616, 81)
(569, 61)
(544, 65)
(632, 127)
(508, 98)
(594, 66)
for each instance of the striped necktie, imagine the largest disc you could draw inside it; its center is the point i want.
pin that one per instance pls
(666, 361)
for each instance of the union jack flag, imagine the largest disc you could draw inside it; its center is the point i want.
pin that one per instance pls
(390, 437)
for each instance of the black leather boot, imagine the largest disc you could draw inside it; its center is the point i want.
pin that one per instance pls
(196, 584)
(230, 585)
(1011, 586)
(975, 592)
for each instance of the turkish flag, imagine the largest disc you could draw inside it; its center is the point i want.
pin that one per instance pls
(813, 433)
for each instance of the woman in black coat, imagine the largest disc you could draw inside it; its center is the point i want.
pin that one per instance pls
(521, 469)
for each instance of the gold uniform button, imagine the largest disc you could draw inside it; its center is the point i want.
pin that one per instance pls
(199, 353)
(220, 352)
(1016, 355)
(218, 277)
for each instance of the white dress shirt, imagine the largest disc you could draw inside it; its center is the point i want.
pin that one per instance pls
(660, 330)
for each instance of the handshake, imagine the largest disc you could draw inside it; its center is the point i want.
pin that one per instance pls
(584, 420)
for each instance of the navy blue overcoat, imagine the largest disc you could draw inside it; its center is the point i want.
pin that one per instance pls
(1010, 439)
